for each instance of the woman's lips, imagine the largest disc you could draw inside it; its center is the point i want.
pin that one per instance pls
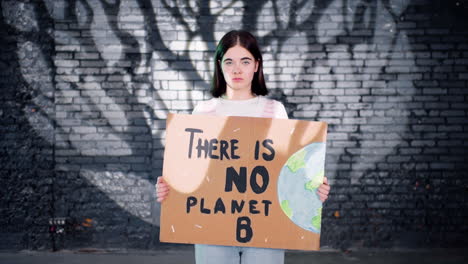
(237, 79)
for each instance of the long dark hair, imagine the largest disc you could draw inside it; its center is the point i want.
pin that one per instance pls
(247, 41)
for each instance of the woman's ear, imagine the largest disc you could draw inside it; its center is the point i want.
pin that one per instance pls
(257, 62)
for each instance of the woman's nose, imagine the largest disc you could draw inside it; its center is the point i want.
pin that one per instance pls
(236, 69)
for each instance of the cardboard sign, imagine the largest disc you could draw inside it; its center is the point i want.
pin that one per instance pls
(243, 181)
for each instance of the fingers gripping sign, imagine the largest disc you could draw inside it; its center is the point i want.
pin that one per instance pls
(162, 189)
(324, 190)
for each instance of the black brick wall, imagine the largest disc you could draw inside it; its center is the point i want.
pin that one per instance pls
(26, 154)
(86, 87)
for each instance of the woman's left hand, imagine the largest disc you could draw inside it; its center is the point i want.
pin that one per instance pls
(323, 190)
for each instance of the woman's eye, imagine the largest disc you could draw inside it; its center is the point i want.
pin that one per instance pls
(246, 62)
(227, 62)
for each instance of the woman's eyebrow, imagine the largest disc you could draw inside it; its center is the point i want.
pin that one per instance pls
(244, 58)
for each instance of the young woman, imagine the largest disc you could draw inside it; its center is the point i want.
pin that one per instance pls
(238, 90)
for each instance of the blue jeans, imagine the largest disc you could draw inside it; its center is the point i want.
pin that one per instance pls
(211, 254)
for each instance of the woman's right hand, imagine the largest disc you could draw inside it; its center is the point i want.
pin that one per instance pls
(162, 189)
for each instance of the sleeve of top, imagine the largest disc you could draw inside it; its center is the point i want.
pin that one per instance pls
(280, 111)
(197, 108)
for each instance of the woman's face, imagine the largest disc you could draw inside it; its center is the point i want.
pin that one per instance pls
(238, 66)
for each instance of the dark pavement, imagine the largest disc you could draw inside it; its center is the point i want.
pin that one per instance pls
(186, 255)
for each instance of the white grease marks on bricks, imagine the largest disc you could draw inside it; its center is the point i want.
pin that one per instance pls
(235, 130)
(207, 179)
(266, 240)
(173, 229)
(302, 237)
(198, 226)
(292, 131)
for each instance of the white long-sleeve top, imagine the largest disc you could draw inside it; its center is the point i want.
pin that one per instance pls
(259, 106)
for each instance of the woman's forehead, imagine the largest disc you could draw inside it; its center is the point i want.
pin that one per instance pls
(237, 52)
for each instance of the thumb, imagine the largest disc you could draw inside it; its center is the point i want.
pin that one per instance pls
(325, 180)
(160, 180)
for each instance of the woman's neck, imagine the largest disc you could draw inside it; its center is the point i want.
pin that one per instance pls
(238, 95)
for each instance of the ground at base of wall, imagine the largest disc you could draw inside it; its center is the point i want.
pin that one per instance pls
(186, 255)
